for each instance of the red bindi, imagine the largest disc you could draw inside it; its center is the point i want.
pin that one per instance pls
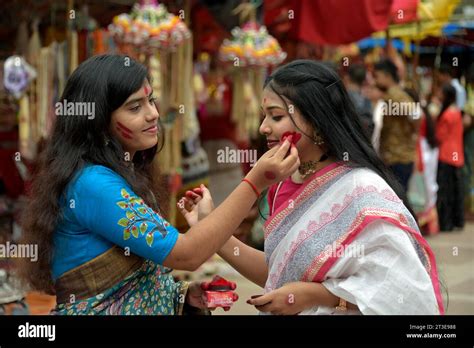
(146, 90)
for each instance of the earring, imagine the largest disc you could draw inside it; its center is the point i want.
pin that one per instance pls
(106, 141)
(318, 140)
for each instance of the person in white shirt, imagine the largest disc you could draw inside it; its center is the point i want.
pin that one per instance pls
(446, 75)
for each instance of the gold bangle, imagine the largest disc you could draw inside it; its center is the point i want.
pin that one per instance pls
(342, 305)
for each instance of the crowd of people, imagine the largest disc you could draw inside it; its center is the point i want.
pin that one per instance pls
(420, 137)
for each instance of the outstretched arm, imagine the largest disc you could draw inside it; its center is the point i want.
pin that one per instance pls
(248, 261)
(206, 237)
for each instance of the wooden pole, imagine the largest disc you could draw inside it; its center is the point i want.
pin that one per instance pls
(416, 59)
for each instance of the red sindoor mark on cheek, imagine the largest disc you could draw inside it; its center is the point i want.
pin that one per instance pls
(270, 175)
(123, 128)
(293, 137)
(125, 135)
(124, 131)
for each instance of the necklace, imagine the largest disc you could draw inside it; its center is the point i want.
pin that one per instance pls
(307, 168)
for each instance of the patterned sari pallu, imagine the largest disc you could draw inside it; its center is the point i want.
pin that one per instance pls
(306, 235)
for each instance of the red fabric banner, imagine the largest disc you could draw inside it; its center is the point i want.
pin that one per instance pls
(403, 11)
(334, 22)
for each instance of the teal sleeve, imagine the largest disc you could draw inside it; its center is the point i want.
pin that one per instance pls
(105, 204)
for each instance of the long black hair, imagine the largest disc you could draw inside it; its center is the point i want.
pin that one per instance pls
(76, 140)
(449, 97)
(319, 94)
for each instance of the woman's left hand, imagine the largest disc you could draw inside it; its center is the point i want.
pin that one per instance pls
(196, 205)
(195, 295)
(290, 299)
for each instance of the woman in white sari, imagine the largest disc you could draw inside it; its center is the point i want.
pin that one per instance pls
(339, 238)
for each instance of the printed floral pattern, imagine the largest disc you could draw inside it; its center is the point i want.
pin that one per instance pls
(137, 218)
(150, 290)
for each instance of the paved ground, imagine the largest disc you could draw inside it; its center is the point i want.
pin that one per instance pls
(455, 258)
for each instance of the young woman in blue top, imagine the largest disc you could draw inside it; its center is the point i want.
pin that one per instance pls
(104, 247)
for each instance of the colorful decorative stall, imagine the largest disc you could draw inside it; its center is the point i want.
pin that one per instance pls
(250, 51)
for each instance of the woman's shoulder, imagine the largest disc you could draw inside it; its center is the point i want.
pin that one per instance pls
(365, 177)
(452, 114)
(97, 176)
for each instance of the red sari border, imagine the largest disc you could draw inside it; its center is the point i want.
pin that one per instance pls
(349, 237)
(318, 179)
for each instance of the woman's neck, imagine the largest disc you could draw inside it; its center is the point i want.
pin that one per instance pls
(297, 178)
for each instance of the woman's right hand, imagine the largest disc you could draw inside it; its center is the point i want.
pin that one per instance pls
(273, 166)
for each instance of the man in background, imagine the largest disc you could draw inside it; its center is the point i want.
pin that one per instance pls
(400, 128)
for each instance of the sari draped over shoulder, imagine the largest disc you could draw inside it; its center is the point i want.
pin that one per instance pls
(321, 222)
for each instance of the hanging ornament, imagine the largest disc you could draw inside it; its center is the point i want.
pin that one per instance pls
(251, 45)
(149, 27)
(17, 75)
(251, 51)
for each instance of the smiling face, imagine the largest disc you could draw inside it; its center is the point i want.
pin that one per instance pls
(135, 123)
(277, 121)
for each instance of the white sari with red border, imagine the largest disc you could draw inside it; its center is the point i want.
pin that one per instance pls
(347, 229)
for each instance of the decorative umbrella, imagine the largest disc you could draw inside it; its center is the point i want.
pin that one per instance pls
(251, 45)
(162, 41)
(149, 27)
(251, 51)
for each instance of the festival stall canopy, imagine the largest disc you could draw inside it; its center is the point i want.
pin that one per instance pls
(328, 22)
(449, 34)
(429, 20)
